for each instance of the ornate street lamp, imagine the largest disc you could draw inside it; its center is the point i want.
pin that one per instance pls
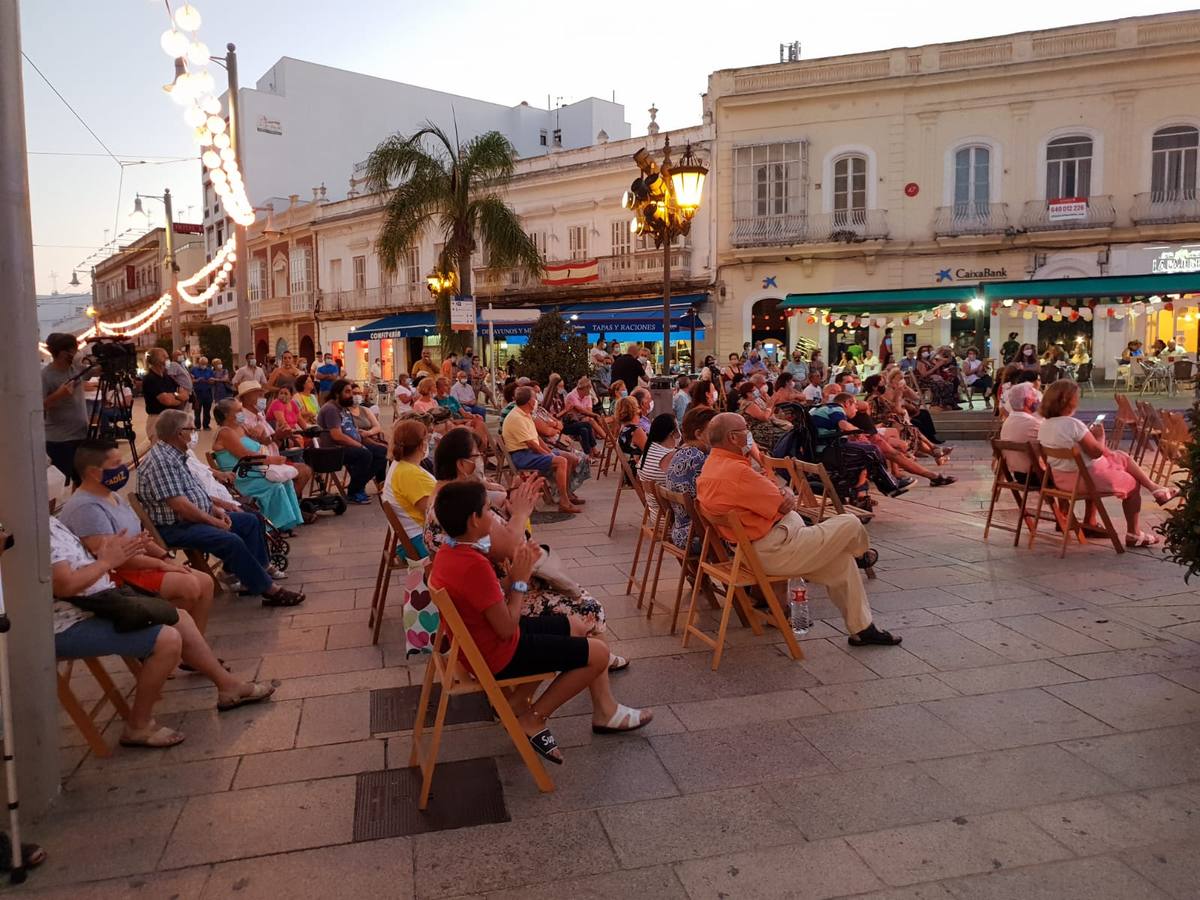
(664, 199)
(440, 282)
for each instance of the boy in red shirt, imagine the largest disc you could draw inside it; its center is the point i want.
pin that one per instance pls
(514, 645)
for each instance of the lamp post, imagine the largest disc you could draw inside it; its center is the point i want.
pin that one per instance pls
(240, 286)
(664, 200)
(170, 266)
(440, 283)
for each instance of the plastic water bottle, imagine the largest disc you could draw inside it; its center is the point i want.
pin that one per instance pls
(799, 614)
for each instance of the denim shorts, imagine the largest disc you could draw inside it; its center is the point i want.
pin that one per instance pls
(98, 637)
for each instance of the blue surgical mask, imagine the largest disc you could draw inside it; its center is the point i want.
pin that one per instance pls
(114, 479)
(851, 388)
(261, 404)
(483, 545)
(240, 418)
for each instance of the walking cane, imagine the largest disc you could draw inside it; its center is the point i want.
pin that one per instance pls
(17, 875)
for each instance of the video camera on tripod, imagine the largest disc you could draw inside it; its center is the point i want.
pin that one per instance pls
(112, 416)
(114, 355)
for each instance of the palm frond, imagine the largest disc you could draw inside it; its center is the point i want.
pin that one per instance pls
(409, 210)
(487, 161)
(399, 158)
(505, 237)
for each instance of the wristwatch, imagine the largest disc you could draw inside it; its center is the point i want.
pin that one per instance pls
(521, 586)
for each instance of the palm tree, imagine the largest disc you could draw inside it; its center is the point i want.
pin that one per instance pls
(455, 188)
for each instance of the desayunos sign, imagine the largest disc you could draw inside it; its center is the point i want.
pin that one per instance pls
(1182, 259)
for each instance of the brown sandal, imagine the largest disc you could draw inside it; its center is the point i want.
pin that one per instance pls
(156, 737)
(259, 691)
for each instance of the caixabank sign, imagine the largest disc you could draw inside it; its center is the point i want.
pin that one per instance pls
(966, 273)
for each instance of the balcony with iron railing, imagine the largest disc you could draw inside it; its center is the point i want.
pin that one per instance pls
(971, 218)
(1042, 215)
(618, 269)
(361, 301)
(139, 296)
(1166, 207)
(847, 225)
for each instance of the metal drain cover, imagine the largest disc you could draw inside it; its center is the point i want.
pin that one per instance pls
(465, 793)
(395, 709)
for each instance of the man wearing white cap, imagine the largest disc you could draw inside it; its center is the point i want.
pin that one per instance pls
(1022, 425)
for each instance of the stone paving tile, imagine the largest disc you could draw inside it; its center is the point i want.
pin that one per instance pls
(830, 664)
(258, 821)
(1158, 616)
(1139, 661)
(950, 848)
(934, 576)
(657, 882)
(884, 600)
(992, 679)
(824, 806)
(893, 662)
(620, 771)
(1024, 776)
(1144, 759)
(742, 711)
(1189, 678)
(1065, 640)
(882, 692)
(727, 757)
(1003, 641)
(250, 729)
(1101, 627)
(931, 891)
(253, 644)
(877, 737)
(511, 854)
(696, 825)
(1133, 702)
(334, 719)
(945, 649)
(1174, 867)
(259, 769)
(1076, 879)
(1015, 718)
(181, 884)
(1000, 592)
(112, 788)
(986, 606)
(342, 683)
(1122, 821)
(95, 844)
(801, 872)
(372, 869)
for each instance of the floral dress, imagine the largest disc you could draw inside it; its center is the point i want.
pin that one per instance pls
(766, 433)
(541, 599)
(887, 415)
(681, 478)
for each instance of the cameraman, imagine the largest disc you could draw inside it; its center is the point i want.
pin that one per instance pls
(161, 391)
(64, 402)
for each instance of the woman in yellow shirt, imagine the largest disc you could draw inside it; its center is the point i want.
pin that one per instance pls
(409, 488)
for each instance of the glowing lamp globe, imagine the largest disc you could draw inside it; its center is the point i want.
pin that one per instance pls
(687, 182)
(211, 105)
(197, 53)
(194, 116)
(210, 159)
(221, 141)
(216, 124)
(187, 17)
(174, 43)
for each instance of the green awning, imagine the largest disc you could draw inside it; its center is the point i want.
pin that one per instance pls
(1111, 286)
(883, 301)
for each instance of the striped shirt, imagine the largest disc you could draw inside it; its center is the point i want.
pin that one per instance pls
(652, 471)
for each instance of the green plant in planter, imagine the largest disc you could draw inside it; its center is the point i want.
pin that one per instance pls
(554, 346)
(1182, 527)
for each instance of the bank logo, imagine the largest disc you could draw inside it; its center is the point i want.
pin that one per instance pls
(944, 275)
(769, 282)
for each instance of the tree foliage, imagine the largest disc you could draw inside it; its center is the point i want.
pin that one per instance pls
(455, 189)
(1182, 527)
(554, 346)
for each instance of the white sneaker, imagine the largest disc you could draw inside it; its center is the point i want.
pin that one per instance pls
(276, 573)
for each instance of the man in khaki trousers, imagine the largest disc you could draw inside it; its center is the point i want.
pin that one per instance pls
(828, 553)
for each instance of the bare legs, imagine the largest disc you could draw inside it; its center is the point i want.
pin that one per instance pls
(192, 592)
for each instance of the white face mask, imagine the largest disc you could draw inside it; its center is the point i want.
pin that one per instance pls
(479, 465)
(925, 355)
(250, 362)
(194, 440)
(357, 401)
(651, 409)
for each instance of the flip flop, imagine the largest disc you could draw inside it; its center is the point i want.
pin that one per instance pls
(259, 691)
(545, 746)
(617, 663)
(873, 636)
(1171, 492)
(624, 719)
(1143, 539)
(157, 737)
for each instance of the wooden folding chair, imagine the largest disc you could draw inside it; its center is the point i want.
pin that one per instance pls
(1173, 448)
(1063, 501)
(197, 559)
(649, 536)
(85, 717)
(1151, 430)
(1005, 480)
(687, 558)
(390, 562)
(626, 480)
(462, 670)
(1127, 418)
(736, 573)
(610, 448)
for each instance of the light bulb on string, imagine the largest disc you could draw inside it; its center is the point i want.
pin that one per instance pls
(221, 141)
(197, 53)
(202, 136)
(183, 90)
(227, 154)
(210, 159)
(211, 105)
(203, 81)
(216, 124)
(173, 43)
(220, 188)
(187, 17)
(194, 116)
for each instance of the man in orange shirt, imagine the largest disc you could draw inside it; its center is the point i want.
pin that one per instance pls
(830, 553)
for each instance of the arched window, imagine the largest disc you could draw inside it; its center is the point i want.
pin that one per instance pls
(1069, 167)
(1173, 163)
(972, 181)
(850, 190)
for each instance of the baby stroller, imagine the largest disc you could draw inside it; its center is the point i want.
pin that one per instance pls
(277, 545)
(801, 443)
(326, 463)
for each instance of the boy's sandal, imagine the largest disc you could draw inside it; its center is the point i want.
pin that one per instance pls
(259, 691)
(868, 559)
(624, 719)
(282, 597)
(32, 855)
(545, 746)
(617, 663)
(1163, 496)
(942, 480)
(1142, 539)
(156, 737)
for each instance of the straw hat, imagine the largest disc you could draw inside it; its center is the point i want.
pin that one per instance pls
(248, 387)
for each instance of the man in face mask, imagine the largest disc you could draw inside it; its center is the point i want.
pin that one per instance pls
(64, 402)
(251, 371)
(161, 391)
(254, 403)
(465, 394)
(97, 510)
(177, 370)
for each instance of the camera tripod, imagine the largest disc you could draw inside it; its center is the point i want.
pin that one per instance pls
(118, 424)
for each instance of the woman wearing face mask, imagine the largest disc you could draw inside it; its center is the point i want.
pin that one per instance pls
(975, 374)
(305, 396)
(277, 500)
(408, 487)
(283, 412)
(365, 420)
(220, 381)
(765, 428)
(933, 376)
(702, 395)
(424, 399)
(1027, 358)
(457, 458)
(571, 419)
(660, 449)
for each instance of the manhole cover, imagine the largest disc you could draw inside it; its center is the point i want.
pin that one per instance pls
(395, 709)
(465, 793)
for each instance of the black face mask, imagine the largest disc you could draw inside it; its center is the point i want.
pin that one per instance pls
(346, 401)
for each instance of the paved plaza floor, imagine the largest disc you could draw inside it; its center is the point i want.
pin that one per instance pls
(1037, 735)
